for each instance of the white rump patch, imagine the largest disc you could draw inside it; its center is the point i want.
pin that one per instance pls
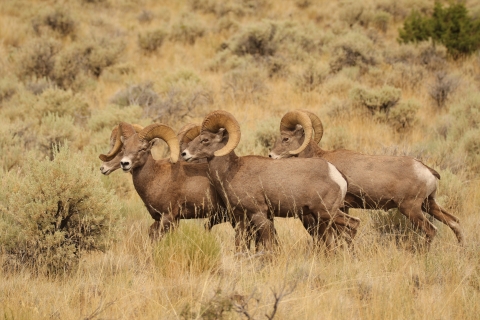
(426, 176)
(338, 178)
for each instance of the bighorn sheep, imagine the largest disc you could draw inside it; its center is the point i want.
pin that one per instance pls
(255, 188)
(374, 182)
(171, 190)
(108, 167)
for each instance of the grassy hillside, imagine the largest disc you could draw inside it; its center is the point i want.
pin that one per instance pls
(71, 70)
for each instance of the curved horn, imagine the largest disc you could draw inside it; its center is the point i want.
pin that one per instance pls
(137, 127)
(184, 130)
(116, 143)
(317, 125)
(290, 121)
(191, 134)
(223, 119)
(164, 132)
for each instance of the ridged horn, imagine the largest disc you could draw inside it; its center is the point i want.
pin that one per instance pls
(116, 143)
(290, 121)
(317, 125)
(183, 130)
(164, 132)
(187, 134)
(223, 119)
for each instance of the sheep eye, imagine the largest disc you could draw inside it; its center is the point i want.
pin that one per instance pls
(285, 139)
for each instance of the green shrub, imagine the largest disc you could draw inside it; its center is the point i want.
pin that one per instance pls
(55, 131)
(377, 102)
(351, 50)
(102, 53)
(150, 41)
(311, 77)
(381, 19)
(451, 26)
(55, 212)
(187, 249)
(403, 116)
(37, 58)
(187, 29)
(62, 103)
(415, 28)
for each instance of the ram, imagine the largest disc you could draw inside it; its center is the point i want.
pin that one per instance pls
(170, 190)
(374, 182)
(255, 189)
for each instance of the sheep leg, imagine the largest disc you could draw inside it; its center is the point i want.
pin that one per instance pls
(413, 211)
(159, 228)
(434, 209)
(340, 218)
(318, 231)
(264, 231)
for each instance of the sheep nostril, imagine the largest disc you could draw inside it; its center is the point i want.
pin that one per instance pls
(269, 155)
(184, 154)
(101, 168)
(124, 163)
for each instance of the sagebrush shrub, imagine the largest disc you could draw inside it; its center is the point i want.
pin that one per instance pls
(187, 29)
(37, 58)
(54, 212)
(245, 85)
(58, 20)
(311, 77)
(403, 116)
(8, 87)
(378, 102)
(54, 131)
(441, 89)
(150, 41)
(381, 19)
(62, 103)
(355, 13)
(350, 50)
(140, 94)
(12, 149)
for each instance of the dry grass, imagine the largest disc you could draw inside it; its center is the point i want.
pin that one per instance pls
(388, 277)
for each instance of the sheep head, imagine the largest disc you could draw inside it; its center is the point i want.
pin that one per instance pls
(219, 135)
(111, 160)
(296, 129)
(137, 146)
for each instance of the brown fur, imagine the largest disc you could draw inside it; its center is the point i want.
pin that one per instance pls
(377, 182)
(170, 191)
(256, 189)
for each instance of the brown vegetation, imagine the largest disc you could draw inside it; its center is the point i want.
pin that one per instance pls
(70, 71)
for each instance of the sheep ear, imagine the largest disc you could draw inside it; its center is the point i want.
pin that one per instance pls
(299, 132)
(122, 138)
